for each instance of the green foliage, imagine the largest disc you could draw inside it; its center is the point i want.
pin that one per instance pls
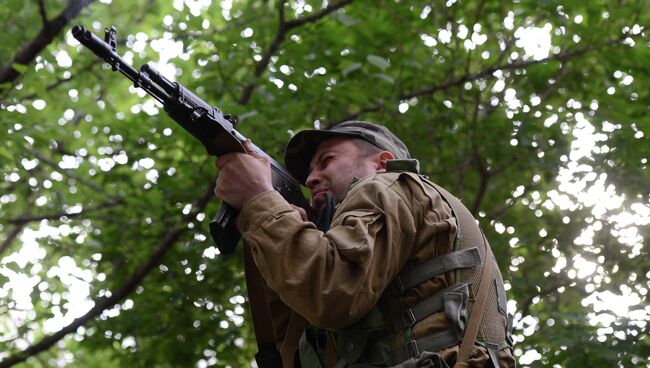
(96, 176)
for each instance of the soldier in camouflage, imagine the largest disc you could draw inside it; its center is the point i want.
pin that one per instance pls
(388, 271)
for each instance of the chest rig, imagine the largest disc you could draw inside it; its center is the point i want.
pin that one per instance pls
(383, 338)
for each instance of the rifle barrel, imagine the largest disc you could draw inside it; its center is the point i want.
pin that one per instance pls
(102, 49)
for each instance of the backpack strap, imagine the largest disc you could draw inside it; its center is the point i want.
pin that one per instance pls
(463, 215)
(433, 267)
(476, 314)
(436, 303)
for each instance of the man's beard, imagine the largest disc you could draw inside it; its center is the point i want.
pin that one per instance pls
(321, 199)
(324, 207)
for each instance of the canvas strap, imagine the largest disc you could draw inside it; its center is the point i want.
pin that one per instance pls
(427, 270)
(268, 355)
(476, 313)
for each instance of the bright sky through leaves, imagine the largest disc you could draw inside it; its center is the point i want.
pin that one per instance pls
(559, 140)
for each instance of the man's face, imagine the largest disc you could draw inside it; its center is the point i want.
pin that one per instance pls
(334, 165)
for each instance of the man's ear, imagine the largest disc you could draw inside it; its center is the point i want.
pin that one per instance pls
(383, 158)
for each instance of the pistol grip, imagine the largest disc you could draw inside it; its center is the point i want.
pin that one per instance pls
(223, 229)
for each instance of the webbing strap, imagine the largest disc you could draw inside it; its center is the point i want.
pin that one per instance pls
(476, 313)
(426, 307)
(268, 355)
(291, 342)
(493, 352)
(434, 342)
(429, 269)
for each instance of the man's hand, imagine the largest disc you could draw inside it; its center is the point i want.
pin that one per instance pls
(302, 212)
(242, 176)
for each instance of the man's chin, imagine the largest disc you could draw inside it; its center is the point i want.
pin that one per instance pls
(320, 199)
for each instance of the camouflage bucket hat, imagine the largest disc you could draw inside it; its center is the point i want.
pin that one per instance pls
(302, 146)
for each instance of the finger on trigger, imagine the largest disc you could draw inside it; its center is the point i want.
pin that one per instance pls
(222, 160)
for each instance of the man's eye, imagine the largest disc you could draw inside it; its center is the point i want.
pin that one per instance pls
(326, 160)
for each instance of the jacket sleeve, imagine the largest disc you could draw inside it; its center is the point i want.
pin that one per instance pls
(333, 278)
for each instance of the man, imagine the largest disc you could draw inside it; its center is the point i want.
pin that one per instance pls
(386, 279)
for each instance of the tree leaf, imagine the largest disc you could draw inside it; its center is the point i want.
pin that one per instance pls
(378, 61)
(385, 78)
(20, 68)
(350, 68)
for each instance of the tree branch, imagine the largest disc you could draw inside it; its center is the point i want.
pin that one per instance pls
(487, 72)
(129, 285)
(318, 15)
(510, 66)
(485, 175)
(283, 28)
(561, 73)
(10, 237)
(50, 30)
(509, 203)
(69, 173)
(54, 216)
(524, 305)
(378, 107)
(61, 81)
(261, 66)
(41, 10)
(17, 229)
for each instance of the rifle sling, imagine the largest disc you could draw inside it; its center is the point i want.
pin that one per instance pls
(268, 355)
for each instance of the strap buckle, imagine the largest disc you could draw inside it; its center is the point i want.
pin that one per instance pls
(412, 348)
(404, 320)
(397, 287)
(407, 318)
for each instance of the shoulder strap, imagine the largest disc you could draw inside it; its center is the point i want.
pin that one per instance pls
(476, 314)
(433, 267)
(268, 355)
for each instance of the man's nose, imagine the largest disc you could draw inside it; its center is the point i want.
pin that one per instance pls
(313, 179)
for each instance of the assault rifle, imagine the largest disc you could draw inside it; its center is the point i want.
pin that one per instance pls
(214, 129)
